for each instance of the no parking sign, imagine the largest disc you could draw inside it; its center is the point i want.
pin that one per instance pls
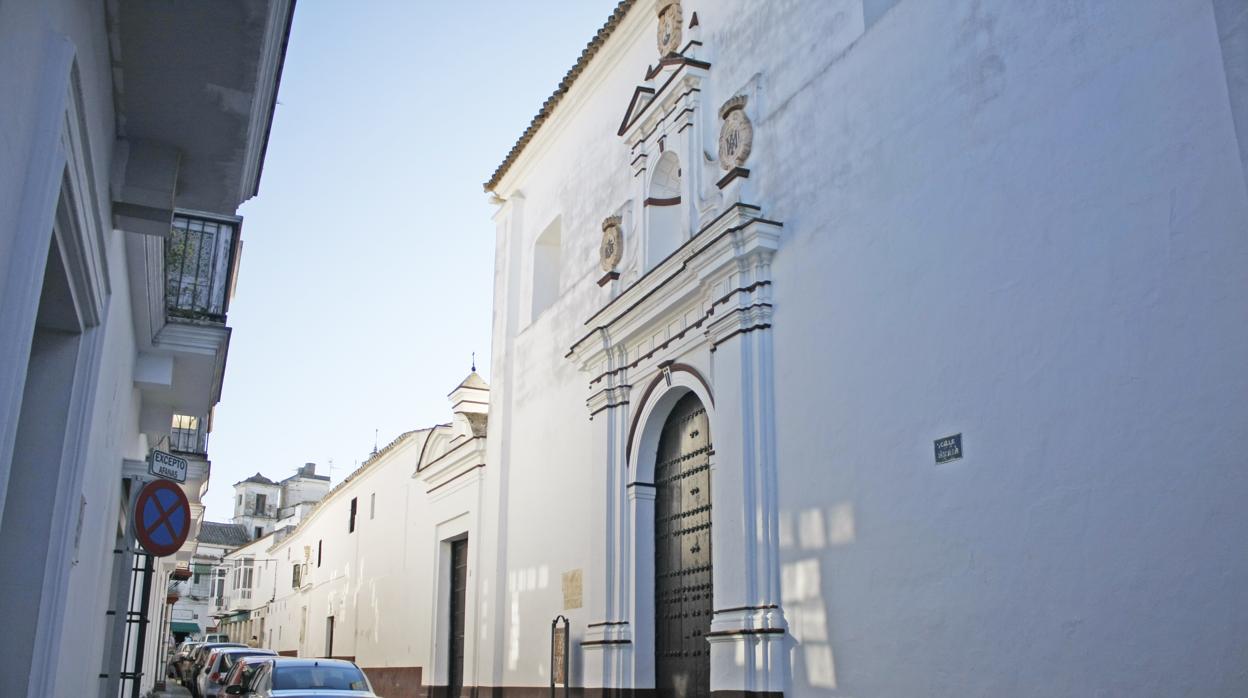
(162, 518)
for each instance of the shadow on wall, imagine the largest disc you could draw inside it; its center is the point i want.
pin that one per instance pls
(518, 582)
(801, 584)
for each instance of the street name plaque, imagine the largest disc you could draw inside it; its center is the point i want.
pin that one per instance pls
(948, 449)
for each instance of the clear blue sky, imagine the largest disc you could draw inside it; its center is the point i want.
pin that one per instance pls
(367, 268)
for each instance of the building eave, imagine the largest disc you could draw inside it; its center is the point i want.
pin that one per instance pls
(548, 107)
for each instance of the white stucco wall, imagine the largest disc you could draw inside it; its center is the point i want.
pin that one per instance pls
(1023, 224)
(31, 36)
(57, 139)
(352, 582)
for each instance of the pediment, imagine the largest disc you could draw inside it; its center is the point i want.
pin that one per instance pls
(642, 96)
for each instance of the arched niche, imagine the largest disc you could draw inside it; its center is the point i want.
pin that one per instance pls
(664, 231)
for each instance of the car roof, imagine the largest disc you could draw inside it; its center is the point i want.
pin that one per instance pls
(312, 661)
(210, 647)
(256, 650)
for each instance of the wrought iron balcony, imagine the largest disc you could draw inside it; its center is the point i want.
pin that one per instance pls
(189, 435)
(201, 256)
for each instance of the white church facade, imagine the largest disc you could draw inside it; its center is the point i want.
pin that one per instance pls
(877, 348)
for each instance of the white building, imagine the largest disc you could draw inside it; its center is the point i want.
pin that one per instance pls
(357, 578)
(193, 614)
(249, 577)
(131, 131)
(256, 502)
(301, 493)
(758, 286)
(262, 506)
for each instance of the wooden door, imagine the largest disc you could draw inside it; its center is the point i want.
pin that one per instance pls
(682, 552)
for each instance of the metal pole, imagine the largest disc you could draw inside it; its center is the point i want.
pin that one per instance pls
(148, 572)
(123, 562)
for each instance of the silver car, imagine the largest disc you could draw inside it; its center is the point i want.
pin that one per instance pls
(212, 678)
(288, 677)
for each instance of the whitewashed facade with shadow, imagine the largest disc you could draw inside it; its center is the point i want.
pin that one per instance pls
(957, 290)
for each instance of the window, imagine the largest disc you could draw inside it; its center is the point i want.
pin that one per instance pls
(259, 532)
(319, 544)
(296, 577)
(218, 587)
(547, 253)
(261, 500)
(372, 506)
(185, 435)
(351, 522)
(240, 500)
(198, 273)
(245, 582)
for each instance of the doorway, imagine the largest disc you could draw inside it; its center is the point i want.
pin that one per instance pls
(458, 608)
(682, 552)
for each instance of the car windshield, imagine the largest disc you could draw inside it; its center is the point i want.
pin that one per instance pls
(341, 678)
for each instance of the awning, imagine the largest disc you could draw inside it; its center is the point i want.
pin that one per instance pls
(181, 626)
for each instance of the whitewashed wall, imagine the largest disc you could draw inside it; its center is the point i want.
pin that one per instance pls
(36, 41)
(1021, 223)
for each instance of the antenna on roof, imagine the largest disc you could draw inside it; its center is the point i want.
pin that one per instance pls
(331, 468)
(374, 442)
(474, 362)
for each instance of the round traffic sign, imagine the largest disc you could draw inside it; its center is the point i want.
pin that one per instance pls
(162, 517)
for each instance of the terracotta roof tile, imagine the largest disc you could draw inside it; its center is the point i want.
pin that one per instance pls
(564, 85)
(226, 535)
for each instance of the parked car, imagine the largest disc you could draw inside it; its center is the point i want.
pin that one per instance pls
(218, 664)
(307, 678)
(244, 671)
(216, 637)
(182, 657)
(198, 656)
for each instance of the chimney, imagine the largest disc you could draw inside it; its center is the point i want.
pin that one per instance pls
(308, 470)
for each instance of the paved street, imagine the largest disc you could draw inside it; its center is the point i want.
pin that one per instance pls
(173, 691)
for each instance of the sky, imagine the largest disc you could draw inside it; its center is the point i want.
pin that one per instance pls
(366, 278)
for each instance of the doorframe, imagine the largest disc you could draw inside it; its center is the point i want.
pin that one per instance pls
(447, 532)
(641, 498)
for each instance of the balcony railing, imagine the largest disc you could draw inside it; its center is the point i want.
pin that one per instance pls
(200, 255)
(189, 435)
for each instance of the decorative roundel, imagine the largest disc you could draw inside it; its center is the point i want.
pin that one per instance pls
(736, 135)
(669, 28)
(162, 517)
(612, 247)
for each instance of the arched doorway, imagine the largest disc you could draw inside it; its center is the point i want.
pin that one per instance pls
(682, 552)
